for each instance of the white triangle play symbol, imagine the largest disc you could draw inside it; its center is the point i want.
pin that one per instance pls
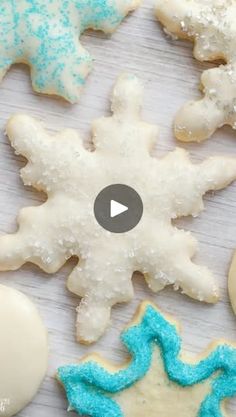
(117, 208)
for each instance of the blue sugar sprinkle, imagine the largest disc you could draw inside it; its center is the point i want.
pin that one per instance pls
(45, 33)
(89, 387)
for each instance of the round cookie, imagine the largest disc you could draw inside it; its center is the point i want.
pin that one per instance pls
(23, 351)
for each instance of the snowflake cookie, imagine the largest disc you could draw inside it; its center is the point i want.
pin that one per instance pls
(45, 34)
(65, 224)
(159, 379)
(211, 25)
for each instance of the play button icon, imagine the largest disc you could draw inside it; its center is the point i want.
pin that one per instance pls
(118, 208)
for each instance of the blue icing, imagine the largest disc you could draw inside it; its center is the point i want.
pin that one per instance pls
(45, 34)
(89, 387)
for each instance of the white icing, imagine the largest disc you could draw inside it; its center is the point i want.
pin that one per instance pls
(23, 351)
(65, 225)
(211, 25)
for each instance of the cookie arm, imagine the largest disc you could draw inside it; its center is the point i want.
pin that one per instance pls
(45, 153)
(196, 281)
(198, 120)
(27, 136)
(100, 287)
(106, 15)
(171, 13)
(32, 242)
(175, 267)
(187, 20)
(195, 180)
(66, 73)
(216, 173)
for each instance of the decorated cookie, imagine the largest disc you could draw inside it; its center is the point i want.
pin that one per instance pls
(232, 283)
(211, 25)
(23, 351)
(65, 225)
(45, 34)
(159, 379)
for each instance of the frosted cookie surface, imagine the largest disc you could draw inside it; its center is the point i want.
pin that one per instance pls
(65, 225)
(211, 24)
(45, 34)
(23, 351)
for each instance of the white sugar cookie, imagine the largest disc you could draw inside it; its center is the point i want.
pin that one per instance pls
(23, 351)
(45, 35)
(211, 25)
(65, 224)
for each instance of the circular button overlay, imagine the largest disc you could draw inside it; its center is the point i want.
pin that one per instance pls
(118, 208)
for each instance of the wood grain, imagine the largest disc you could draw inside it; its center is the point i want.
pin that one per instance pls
(171, 76)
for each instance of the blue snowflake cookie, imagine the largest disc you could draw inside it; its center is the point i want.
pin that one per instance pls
(159, 380)
(45, 34)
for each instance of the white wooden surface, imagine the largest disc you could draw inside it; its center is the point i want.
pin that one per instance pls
(171, 76)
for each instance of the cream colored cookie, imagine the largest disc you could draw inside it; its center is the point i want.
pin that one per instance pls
(211, 24)
(65, 224)
(45, 35)
(159, 380)
(23, 351)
